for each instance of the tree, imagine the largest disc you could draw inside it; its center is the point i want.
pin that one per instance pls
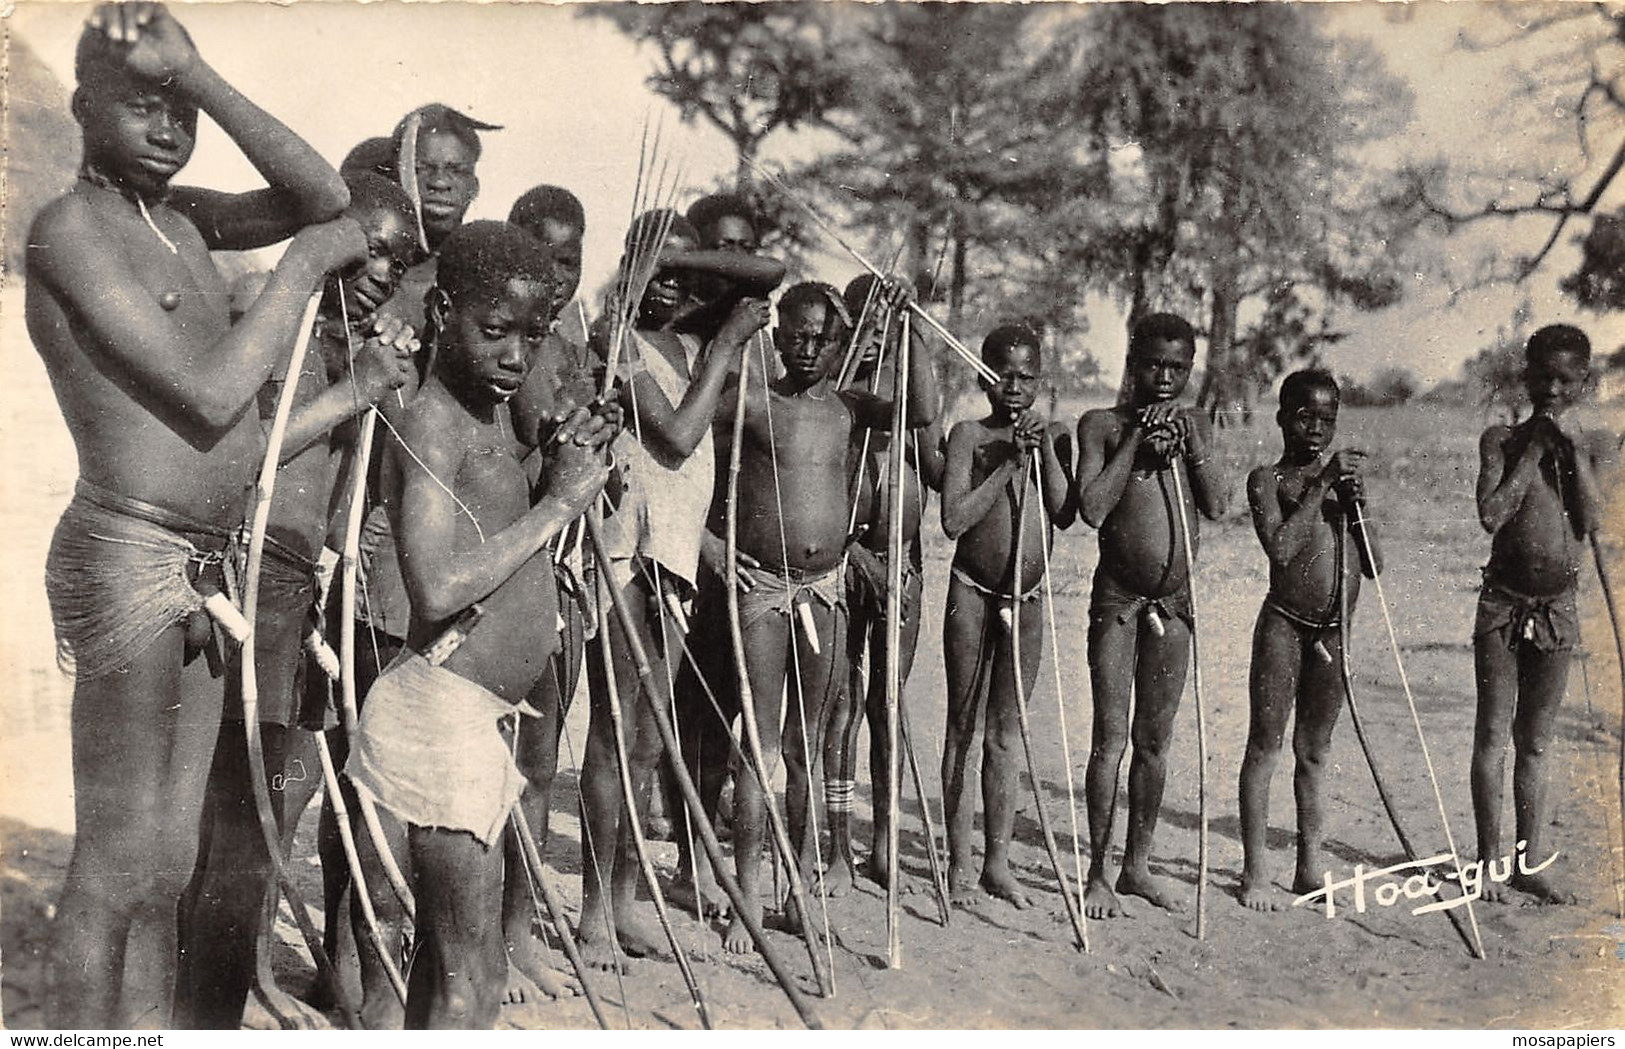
(1566, 97)
(946, 159)
(1245, 124)
(748, 70)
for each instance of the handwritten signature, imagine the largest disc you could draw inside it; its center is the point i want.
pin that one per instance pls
(1421, 885)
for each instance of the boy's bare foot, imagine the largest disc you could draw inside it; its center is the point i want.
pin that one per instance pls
(1000, 883)
(1303, 885)
(1543, 891)
(838, 878)
(1099, 901)
(874, 868)
(1140, 883)
(638, 941)
(1259, 895)
(962, 889)
(711, 897)
(737, 940)
(599, 951)
(284, 1008)
(530, 977)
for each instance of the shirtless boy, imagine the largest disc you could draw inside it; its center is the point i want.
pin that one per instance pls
(350, 367)
(1302, 507)
(986, 472)
(1538, 495)
(130, 315)
(561, 380)
(671, 391)
(1140, 610)
(799, 434)
(473, 547)
(863, 695)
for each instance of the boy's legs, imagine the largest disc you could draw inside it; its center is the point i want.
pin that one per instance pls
(1495, 668)
(880, 759)
(1320, 701)
(767, 656)
(460, 967)
(1159, 682)
(536, 752)
(840, 747)
(814, 678)
(1002, 756)
(381, 1008)
(1113, 647)
(229, 893)
(609, 860)
(1542, 678)
(706, 681)
(143, 743)
(1272, 688)
(968, 658)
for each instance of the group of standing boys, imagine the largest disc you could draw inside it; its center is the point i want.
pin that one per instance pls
(740, 568)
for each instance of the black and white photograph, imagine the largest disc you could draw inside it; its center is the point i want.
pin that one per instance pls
(813, 515)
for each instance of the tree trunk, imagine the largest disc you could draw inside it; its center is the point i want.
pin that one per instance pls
(1226, 387)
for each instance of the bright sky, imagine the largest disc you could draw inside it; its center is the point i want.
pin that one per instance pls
(570, 94)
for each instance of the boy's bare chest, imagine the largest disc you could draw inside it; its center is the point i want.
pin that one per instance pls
(492, 481)
(184, 281)
(803, 430)
(989, 456)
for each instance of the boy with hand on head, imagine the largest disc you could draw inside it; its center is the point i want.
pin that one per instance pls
(473, 544)
(987, 473)
(130, 315)
(863, 695)
(1539, 496)
(355, 362)
(1140, 609)
(1303, 508)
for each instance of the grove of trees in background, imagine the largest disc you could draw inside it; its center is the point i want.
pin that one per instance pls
(1208, 159)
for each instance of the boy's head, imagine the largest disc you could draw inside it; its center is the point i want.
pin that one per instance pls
(669, 288)
(491, 308)
(1308, 413)
(554, 216)
(813, 328)
(725, 222)
(384, 213)
(375, 155)
(447, 145)
(1161, 350)
(1557, 368)
(1014, 351)
(138, 132)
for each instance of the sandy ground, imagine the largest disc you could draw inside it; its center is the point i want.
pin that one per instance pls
(1551, 967)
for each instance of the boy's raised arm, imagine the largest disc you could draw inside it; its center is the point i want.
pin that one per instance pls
(1500, 491)
(442, 577)
(679, 429)
(1283, 536)
(925, 400)
(962, 505)
(1204, 472)
(207, 383)
(303, 188)
(1101, 481)
(1057, 479)
(382, 365)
